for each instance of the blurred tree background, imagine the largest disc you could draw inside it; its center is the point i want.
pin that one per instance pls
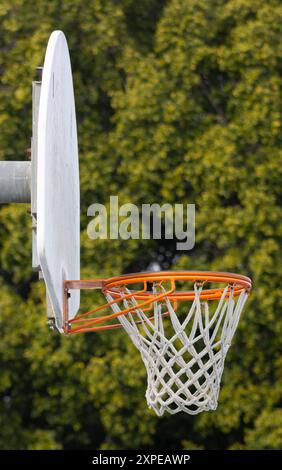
(177, 101)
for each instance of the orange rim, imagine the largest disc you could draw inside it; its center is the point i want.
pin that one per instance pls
(116, 286)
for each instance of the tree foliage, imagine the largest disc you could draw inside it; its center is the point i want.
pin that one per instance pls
(177, 101)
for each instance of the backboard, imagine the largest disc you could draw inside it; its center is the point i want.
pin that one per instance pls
(58, 200)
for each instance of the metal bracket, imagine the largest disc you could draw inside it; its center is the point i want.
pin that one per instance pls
(18, 183)
(36, 88)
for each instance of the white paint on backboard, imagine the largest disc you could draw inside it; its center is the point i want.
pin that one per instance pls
(58, 200)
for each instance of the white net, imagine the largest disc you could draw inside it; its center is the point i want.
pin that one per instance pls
(183, 353)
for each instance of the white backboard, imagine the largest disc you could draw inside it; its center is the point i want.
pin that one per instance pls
(58, 200)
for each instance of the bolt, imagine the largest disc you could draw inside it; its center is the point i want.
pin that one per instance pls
(51, 324)
(67, 327)
(39, 71)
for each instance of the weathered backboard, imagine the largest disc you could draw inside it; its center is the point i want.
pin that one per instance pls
(58, 200)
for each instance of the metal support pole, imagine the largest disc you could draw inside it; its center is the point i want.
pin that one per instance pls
(15, 182)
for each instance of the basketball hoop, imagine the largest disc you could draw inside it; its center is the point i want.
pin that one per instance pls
(182, 322)
(183, 335)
